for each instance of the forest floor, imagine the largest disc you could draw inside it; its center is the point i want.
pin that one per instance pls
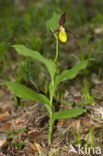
(22, 127)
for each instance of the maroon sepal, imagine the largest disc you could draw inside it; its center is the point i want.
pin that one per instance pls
(62, 20)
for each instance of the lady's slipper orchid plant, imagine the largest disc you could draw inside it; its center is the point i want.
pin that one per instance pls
(22, 91)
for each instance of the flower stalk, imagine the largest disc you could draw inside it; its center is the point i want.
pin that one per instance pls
(57, 44)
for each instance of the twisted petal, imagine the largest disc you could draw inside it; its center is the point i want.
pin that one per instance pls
(67, 30)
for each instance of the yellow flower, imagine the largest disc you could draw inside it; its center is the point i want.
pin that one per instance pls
(62, 35)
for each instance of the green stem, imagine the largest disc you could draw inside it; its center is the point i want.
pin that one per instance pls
(51, 96)
(56, 49)
(51, 122)
(56, 36)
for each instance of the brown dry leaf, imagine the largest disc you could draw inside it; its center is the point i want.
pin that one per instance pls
(35, 154)
(6, 126)
(66, 93)
(6, 89)
(65, 107)
(76, 124)
(2, 140)
(1, 93)
(20, 123)
(77, 100)
(34, 148)
(32, 135)
(61, 123)
(41, 149)
(6, 105)
(31, 132)
(5, 115)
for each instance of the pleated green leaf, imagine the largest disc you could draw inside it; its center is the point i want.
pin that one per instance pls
(71, 113)
(69, 74)
(21, 49)
(26, 93)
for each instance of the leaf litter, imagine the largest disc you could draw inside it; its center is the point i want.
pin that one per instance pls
(21, 128)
